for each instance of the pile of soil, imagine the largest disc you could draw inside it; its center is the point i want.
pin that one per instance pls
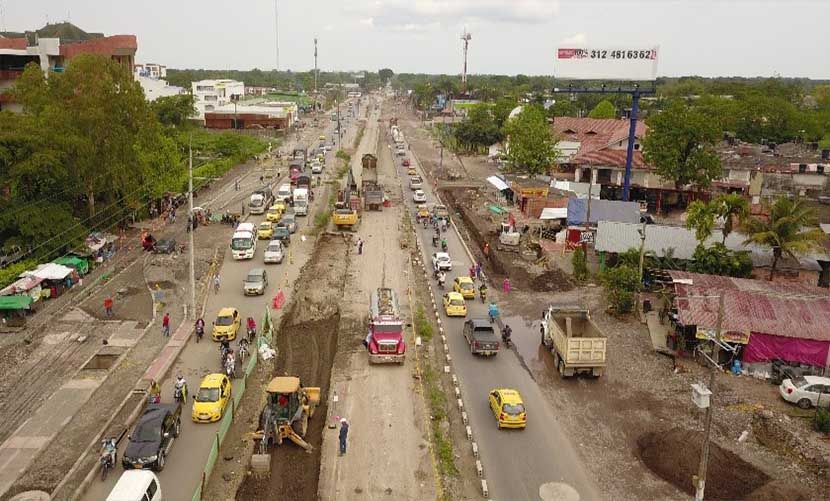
(552, 281)
(674, 455)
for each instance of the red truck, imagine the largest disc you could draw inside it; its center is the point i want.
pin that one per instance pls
(385, 341)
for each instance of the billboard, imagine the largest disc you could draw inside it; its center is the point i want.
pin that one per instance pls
(606, 63)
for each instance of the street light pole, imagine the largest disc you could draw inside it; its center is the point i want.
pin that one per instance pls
(642, 232)
(191, 230)
(700, 485)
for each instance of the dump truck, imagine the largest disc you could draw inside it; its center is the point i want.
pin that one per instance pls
(346, 214)
(385, 340)
(288, 408)
(577, 344)
(372, 190)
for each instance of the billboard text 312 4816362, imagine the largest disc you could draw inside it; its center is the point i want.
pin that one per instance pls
(606, 63)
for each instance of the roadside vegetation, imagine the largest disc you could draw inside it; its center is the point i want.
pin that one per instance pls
(63, 181)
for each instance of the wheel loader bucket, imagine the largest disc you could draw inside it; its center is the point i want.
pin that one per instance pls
(313, 395)
(261, 465)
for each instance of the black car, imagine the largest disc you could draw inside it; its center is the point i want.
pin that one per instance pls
(165, 246)
(152, 437)
(283, 234)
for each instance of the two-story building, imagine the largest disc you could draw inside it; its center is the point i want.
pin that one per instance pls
(208, 95)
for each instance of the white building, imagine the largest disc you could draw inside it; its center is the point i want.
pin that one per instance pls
(155, 88)
(210, 94)
(151, 70)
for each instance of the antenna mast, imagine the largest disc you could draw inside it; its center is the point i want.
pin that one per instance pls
(316, 71)
(465, 37)
(277, 33)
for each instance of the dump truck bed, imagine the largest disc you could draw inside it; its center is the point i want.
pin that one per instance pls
(578, 345)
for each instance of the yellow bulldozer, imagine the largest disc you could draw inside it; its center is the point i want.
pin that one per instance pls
(288, 408)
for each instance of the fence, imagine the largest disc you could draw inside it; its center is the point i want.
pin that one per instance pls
(266, 335)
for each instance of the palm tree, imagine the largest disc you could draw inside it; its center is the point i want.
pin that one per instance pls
(731, 207)
(700, 216)
(790, 229)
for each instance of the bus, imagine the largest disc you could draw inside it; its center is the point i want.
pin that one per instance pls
(243, 244)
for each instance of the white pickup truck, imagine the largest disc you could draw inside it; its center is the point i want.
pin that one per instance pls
(577, 344)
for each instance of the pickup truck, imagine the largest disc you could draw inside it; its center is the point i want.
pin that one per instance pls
(153, 436)
(577, 344)
(481, 337)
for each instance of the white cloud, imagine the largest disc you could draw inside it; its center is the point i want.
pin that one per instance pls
(575, 39)
(368, 21)
(328, 27)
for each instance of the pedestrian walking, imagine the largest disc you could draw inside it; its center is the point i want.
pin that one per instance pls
(478, 270)
(108, 306)
(505, 285)
(236, 184)
(216, 284)
(344, 432)
(165, 325)
(486, 249)
(359, 246)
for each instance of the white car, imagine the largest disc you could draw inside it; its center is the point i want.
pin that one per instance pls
(415, 182)
(316, 168)
(419, 197)
(805, 391)
(441, 261)
(274, 252)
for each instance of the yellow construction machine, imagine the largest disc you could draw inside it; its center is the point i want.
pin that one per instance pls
(288, 408)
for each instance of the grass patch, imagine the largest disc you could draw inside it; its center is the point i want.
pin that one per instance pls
(361, 128)
(422, 325)
(437, 401)
(321, 220)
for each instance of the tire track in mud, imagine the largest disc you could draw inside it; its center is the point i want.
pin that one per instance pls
(307, 339)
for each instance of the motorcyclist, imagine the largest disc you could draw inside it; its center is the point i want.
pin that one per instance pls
(200, 329)
(505, 334)
(181, 385)
(444, 244)
(224, 348)
(482, 291)
(109, 447)
(442, 277)
(154, 394)
(435, 239)
(251, 326)
(493, 311)
(230, 362)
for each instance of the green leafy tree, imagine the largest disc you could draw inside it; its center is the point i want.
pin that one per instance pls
(385, 74)
(478, 130)
(719, 260)
(621, 283)
(789, 230)
(603, 110)
(530, 142)
(580, 265)
(174, 110)
(732, 208)
(700, 217)
(681, 146)
(502, 109)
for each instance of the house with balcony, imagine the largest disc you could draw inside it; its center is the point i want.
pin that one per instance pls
(210, 95)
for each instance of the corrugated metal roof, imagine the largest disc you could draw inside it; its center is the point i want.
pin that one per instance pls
(754, 306)
(603, 210)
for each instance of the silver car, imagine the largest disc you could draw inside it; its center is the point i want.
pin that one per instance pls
(274, 253)
(255, 283)
(289, 220)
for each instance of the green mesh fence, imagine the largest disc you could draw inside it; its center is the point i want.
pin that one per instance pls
(239, 391)
(211, 460)
(197, 496)
(225, 424)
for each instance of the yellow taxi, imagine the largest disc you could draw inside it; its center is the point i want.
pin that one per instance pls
(454, 305)
(508, 408)
(423, 211)
(265, 230)
(274, 213)
(212, 398)
(226, 324)
(321, 137)
(411, 171)
(465, 287)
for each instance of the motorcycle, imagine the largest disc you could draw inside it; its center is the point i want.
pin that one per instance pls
(493, 312)
(435, 240)
(223, 354)
(200, 331)
(230, 367)
(108, 454)
(444, 245)
(243, 351)
(505, 337)
(482, 293)
(251, 334)
(441, 281)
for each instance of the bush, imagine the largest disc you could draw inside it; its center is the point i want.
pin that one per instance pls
(580, 264)
(621, 283)
(719, 260)
(9, 274)
(422, 325)
(822, 420)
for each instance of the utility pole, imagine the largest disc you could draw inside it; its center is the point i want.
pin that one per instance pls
(700, 479)
(191, 230)
(642, 232)
(277, 33)
(316, 71)
(465, 37)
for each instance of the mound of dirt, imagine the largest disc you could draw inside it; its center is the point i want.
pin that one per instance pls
(551, 281)
(674, 457)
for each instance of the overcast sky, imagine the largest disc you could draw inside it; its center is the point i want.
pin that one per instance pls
(696, 37)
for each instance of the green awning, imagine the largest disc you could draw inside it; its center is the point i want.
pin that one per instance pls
(15, 302)
(78, 264)
(495, 209)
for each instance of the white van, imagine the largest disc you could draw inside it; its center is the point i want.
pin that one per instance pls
(284, 192)
(136, 485)
(249, 227)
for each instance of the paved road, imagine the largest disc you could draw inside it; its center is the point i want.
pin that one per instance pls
(182, 472)
(517, 463)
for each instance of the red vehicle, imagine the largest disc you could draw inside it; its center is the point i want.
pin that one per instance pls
(385, 341)
(295, 170)
(406, 162)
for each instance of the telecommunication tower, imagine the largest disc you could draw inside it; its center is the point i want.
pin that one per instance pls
(466, 38)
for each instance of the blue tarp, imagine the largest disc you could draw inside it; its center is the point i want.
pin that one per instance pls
(603, 210)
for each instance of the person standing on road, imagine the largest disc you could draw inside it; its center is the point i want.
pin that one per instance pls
(165, 325)
(344, 432)
(359, 246)
(505, 285)
(216, 284)
(108, 306)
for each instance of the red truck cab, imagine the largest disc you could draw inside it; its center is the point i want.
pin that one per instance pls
(385, 340)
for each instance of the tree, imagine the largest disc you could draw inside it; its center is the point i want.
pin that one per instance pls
(580, 265)
(621, 283)
(732, 208)
(789, 230)
(603, 110)
(501, 110)
(385, 74)
(681, 146)
(530, 142)
(479, 129)
(719, 260)
(700, 216)
(174, 110)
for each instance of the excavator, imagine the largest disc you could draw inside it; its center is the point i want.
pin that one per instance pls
(288, 408)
